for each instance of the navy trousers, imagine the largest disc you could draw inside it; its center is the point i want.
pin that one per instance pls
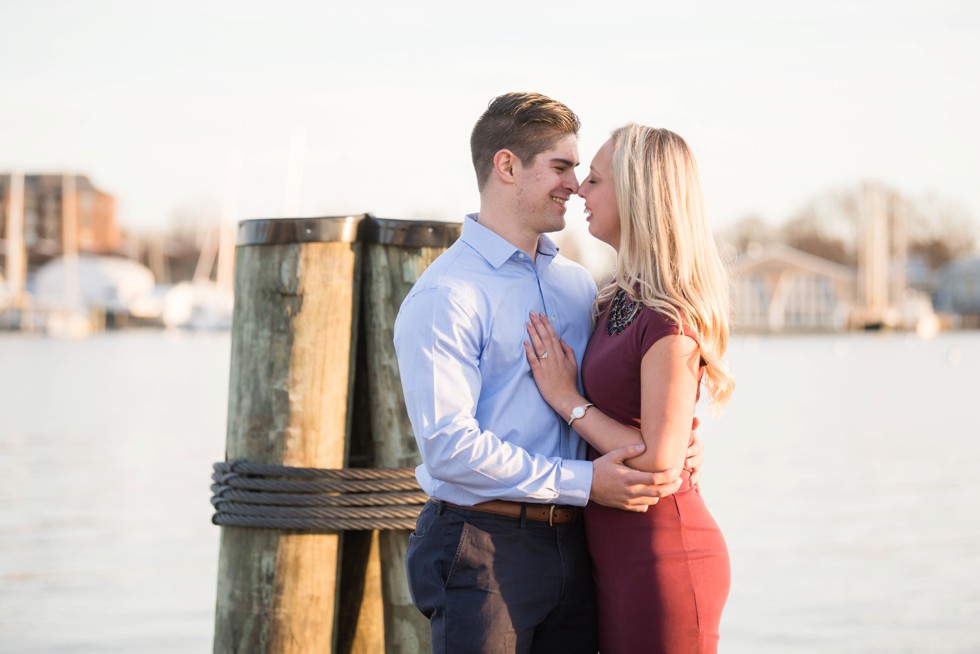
(497, 585)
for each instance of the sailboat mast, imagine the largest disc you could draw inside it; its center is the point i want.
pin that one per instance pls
(16, 254)
(224, 275)
(69, 239)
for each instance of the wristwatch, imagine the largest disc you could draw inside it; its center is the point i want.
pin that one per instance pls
(578, 412)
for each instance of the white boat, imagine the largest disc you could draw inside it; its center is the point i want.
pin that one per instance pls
(68, 291)
(206, 303)
(200, 304)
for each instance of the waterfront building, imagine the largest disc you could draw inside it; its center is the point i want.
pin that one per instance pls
(60, 213)
(778, 288)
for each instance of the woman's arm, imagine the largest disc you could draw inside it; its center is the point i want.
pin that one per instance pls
(668, 378)
(668, 392)
(555, 371)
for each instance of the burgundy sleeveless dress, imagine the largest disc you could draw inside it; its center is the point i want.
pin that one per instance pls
(661, 577)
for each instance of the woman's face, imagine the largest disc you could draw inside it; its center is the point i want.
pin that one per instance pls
(599, 193)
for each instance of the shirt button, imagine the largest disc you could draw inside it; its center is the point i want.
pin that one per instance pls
(521, 255)
(554, 318)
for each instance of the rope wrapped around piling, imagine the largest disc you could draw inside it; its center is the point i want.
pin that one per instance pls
(313, 499)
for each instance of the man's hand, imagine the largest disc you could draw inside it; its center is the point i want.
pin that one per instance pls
(695, 454)
(616, 485)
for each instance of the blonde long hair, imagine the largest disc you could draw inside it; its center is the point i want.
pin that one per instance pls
(667, 255)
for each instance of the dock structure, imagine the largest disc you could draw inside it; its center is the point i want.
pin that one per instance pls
(315, 386)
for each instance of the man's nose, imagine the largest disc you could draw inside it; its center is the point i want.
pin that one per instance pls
(572, 184)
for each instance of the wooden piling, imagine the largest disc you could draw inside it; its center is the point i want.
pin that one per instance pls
(395, 253)
(293, 339)
(299, 300)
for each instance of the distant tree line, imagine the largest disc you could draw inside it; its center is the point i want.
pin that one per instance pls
(936, 231)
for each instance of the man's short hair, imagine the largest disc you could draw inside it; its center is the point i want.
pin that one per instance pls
(524, 123)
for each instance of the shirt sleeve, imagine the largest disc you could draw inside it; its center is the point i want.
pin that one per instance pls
(439, 341)
(654, 325)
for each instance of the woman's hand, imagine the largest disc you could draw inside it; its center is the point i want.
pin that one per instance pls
(552, 363)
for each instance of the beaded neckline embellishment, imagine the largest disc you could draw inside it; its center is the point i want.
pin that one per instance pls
(622, 313)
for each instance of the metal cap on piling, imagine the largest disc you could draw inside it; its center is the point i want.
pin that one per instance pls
(364, 228)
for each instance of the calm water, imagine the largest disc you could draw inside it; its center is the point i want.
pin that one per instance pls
(844, 475)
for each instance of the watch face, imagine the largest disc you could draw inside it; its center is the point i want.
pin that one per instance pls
(578, 412)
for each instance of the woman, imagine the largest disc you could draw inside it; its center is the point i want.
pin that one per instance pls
(661, 329)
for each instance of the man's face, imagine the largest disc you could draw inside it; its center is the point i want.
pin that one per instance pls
(545, 184)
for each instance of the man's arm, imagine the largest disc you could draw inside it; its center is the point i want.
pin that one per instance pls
(616, 485)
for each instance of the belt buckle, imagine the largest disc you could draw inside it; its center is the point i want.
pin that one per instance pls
(551, 515)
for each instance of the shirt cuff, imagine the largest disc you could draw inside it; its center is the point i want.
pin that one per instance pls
(576, 482)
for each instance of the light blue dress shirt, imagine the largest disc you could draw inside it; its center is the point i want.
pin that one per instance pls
(481, 425)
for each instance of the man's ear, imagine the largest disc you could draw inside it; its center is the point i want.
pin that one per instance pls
(504, 163)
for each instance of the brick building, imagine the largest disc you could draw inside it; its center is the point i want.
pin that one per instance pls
(50, 203)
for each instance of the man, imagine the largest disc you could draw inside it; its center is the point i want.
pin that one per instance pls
(498, 562)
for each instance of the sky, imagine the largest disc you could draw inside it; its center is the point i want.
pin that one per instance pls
(290, 108)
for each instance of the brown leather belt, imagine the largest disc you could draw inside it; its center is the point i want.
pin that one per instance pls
(553, 514)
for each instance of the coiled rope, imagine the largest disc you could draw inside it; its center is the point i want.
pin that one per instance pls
(281, 497)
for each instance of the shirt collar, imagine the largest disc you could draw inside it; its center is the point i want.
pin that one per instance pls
(496, 249)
